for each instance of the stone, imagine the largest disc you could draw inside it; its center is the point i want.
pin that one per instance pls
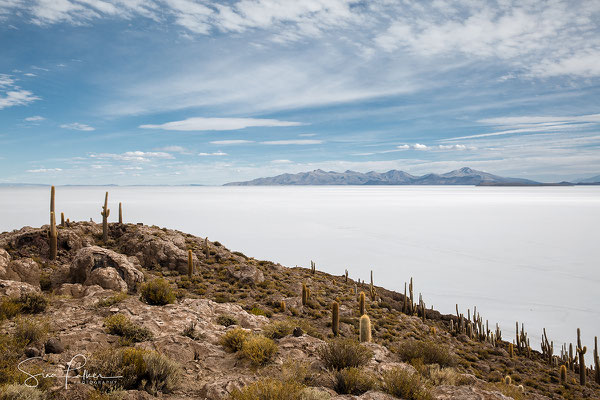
(446, 392)
(298, 332)
(247, 274)
(54, 346)
(95, 265)
(16, 289)
(32, 352)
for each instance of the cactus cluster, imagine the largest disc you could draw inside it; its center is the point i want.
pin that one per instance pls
(313, 267)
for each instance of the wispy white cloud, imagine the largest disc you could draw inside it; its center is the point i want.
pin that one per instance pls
(292, 142)
(12, 95)
(77, 127)
(231, 142)
(219, 124)
(43, 170)
(175, 149)
(281, 162)
(217, 153)
(35, 118)
(136, 156)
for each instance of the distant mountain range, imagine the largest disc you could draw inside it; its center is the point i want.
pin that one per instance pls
(463, 176)
(592, 180)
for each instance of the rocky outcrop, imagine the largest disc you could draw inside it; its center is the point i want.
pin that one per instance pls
(16, 289)
(99, 266)
(246, 274)
(22, 270)
(446, 392)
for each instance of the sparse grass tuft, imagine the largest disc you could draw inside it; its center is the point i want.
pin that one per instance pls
(120, 325)
(20, 392)
(30, 330)
(226, 320)
(112, 300)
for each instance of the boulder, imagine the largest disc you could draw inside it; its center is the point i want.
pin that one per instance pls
(246, 274)
(54, 346)
(4, 260)
(23, 270)
(16, 289)
(98, 266)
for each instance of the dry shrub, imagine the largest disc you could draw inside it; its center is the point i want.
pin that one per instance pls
(30, 330)
(234, 339)
(405, 384)
(353, 381)
(140, 369)
(338, 354)
(120, 325)
(258, 349)
(429, 352)
(269, 389)
(158, 292)
(20, 392)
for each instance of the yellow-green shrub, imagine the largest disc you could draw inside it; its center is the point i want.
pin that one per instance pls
(234, 339)
(269, 389)
(338, 354)
(258, 349)
(119, 324)
(157, 292)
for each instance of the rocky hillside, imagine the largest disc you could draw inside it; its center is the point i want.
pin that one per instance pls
(160, 313)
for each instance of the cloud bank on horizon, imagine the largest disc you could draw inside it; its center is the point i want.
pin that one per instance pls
(191, 91)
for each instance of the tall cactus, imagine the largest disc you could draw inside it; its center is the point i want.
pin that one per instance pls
(206, 249)
(282, 305)
(120, 213)
(581, 351)
(53, 237)
(190, 263)
(563, 374)
(596, 360)
(304, 294)
(361, 304)
(62, 219)
(335, 318)
(105, 213)
(52, 194)
(365, 328)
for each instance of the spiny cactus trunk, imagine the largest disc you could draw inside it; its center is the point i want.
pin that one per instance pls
(105, 213)
(304, 294)
(190, 263)
(120, 213)
(52, 195)
(53, 237)
(581, 351)
(335, 318)
(563, 374)
(365, 328)
(282, 306)
(62, 219)
(361, 304)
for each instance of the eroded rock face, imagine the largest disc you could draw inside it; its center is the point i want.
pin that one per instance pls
(23, 270)
(16, 289)
(247, 274)
(98, 266)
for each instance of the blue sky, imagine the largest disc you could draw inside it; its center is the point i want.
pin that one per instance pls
(182, 91)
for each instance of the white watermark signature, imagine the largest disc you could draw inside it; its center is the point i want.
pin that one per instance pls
(74, 370)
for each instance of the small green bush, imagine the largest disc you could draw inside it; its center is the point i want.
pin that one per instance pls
(269, 389)
(9, 308)
(140, 369)
(258, 349)
(112, 300)
(338, 354)
(234, 339)
(279, 329)
(429, 352)
(120, 325)
(33, 303)
(405, 384)
(226, 320)
(353, 381)
(158, 292)
(30, 330)
(20, 392)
